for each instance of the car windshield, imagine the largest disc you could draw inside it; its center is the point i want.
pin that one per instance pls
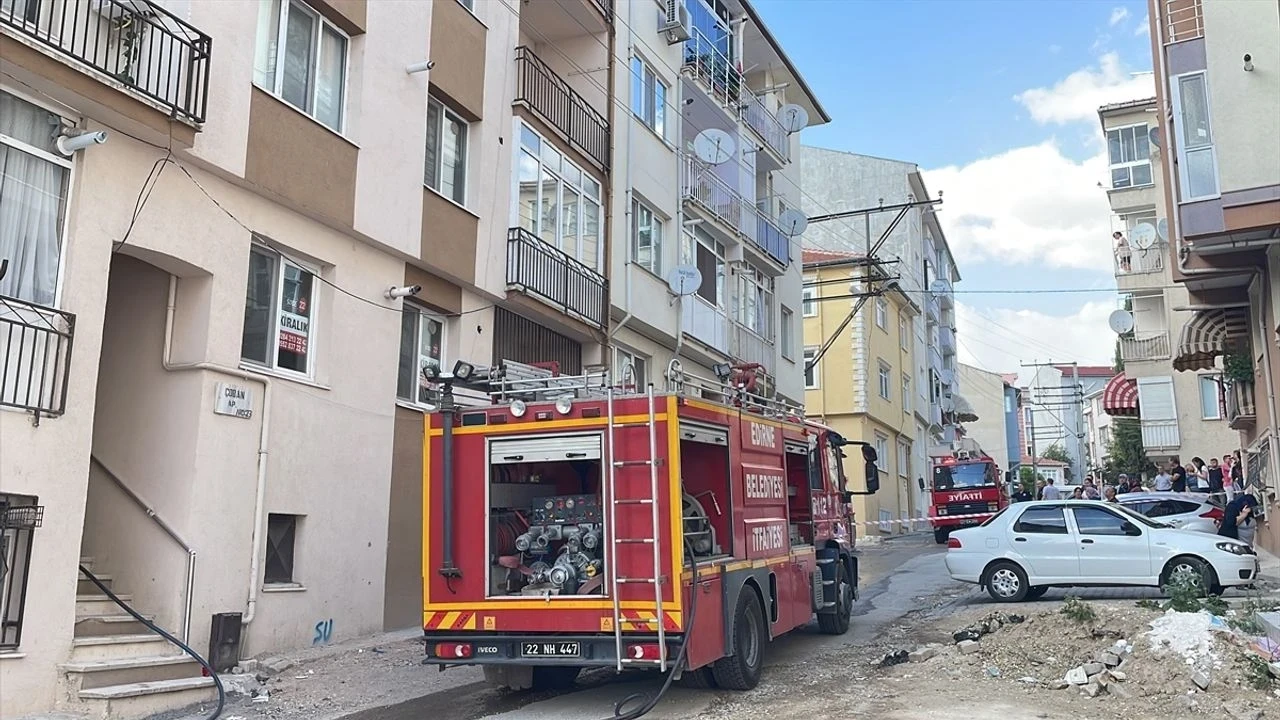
(950, 477)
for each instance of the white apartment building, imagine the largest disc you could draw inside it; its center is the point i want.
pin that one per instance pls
(1098, 430)
(986, 392)
(918, 256)
(1053, 412)
(1181, 413)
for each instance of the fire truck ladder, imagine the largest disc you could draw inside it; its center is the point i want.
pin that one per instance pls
(616, 543)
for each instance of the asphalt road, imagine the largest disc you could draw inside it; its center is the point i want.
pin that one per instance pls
(896, 575)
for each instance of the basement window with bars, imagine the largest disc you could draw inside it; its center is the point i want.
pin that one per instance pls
(282, 534)
(20, 515)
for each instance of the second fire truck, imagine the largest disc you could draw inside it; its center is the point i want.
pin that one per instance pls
(965, 491)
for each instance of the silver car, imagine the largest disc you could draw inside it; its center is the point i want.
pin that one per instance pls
(1188, 511)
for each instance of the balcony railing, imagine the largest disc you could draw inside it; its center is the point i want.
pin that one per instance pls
(748, 346)
(135, 42)
(701, 185)
(1160, 434)
(1141, 262)
(1183, 20)
(35, 356)
(548, 95)
(1155, 347)
(722, 79)
(766, 125)
(537, 269)
(947, 340)
(605, 7)
(1241, 408)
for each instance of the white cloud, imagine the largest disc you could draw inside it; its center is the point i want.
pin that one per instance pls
(1143, 27)
(1030, 205)
(1000, 340)
(1078, 96)
(1118, 15)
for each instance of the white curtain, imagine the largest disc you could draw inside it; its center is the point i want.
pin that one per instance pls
(31, 196)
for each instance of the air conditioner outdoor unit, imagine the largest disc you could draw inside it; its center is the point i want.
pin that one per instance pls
(675, 23)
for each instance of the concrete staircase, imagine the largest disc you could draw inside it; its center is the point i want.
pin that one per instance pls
(119, 669)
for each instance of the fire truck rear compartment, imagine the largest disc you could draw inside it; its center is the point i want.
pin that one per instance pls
(706, 509)
(546, 532)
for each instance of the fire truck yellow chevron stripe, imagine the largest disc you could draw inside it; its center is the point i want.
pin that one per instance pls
(449, 619)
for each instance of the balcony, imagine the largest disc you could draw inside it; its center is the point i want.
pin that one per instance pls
(135, 43)
(944, 292)
(1141, 268)
(1183, 20)
(35, 357)
(544, 272)
(1242, 412)
(1160, 434)
(947, 340)
(1155, 347)
(548, 96)
(933, 310)
(722, 80)
(701, 186)
(748, 346)
(766, 126)
(706, 323)
(605, 7)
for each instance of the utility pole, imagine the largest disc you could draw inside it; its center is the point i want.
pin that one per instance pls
(1072, 398)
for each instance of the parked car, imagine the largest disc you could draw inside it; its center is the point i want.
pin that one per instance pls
(1188, 511)
(1030, 547)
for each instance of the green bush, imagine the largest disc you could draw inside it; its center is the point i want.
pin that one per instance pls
(1078, 610)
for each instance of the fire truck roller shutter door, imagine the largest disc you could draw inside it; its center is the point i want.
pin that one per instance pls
(545, 449)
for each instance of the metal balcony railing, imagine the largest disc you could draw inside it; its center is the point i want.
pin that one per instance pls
(548, 95)
(605, 7)
(721, 78)
(1160, 434)
(766, 125)
(136, 42)
(35, 356)
(1141, 262)
(701, 185)
(1155, 347)
(542, 271)
(1183, 20)
(1241, 407)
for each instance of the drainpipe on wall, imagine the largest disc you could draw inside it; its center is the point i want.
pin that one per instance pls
(626, 267)
(263, 436)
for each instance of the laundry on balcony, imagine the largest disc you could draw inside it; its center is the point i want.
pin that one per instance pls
(1208, 334)
(1120, 396)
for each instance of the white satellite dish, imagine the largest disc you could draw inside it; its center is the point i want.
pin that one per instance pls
(946, 375)
(684, 280)
(1162, 229)
(1153, 135)
(1120, 321)
(793, 118)
(792, 222)
(939, 287)
(1143, 236)
(714, 146)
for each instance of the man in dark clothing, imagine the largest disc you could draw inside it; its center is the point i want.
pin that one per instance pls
(1179, 475)
(1215, 476)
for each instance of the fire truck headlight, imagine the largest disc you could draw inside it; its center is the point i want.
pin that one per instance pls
(564, 405)
(463, 370)
(518, 408)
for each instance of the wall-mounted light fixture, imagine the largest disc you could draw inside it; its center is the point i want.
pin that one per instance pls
(1248, 62)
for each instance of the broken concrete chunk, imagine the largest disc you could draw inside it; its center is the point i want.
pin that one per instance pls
(1200, 678)
(1119, 691)
(1059, 685)
(1092, 689)
(968, 646)
(1077, 676)
(1240, 711)
(1109, 659)
(923, 654)
(1274, 669)
(275, 666)
(993, 671)
(1094, 668)
(1118, 675)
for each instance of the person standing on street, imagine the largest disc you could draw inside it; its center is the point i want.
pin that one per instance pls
(1164, 481)
(1237, 474)
(1197, 477)
(1091, 490)
(1109, 494)
(1178, 475)
(1237, 519)
(1122, 486)
(1215, 475)
(1050, 492)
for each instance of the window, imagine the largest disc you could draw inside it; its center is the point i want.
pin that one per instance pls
(631, 371)
(468, 4)
(446, 164)
(279, 310)
(556, 200)
(1197, 164)
(904, 334)
(33, 192)
(906, 393)
(282, 531)
(884, 379)
(1096, 521)
(1130, 156)
(302, 59)
(755, 301)
(422, 339)
(1042, 520)
(1210, 409)
(648, 96)
(788, 338)
(904, 458)
(707, 253)
(646, 238)
(810, 373)
(20, 515)
(882, 452)
(809, 299)
(882, 313)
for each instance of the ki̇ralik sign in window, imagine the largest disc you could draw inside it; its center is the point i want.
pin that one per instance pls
(295, 326)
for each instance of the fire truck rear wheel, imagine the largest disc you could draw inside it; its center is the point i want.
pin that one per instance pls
(741, 671)
(700, 679)
(555, 677)
(940, 536)
(837, 623)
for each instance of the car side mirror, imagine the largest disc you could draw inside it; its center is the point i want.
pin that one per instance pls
(1130, 529)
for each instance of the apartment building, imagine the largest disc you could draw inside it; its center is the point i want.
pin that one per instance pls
(706, 273)
(1053, 412)
(864, 385)
(1218, 107)
(995, 408)
(1180, 412)
(915, 254)
(1098, 429)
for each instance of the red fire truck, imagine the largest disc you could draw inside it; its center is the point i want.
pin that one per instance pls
(570, 524)
(966, 490)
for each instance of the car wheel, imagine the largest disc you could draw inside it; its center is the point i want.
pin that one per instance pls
(1006, 582)
(1037, 592)
(1189, 567)
(741, 670)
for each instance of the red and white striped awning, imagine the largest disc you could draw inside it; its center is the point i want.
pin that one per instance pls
(1208, 334)
(1120, 396)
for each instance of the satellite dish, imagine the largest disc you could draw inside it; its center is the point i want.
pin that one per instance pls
(714, 146)
(793, 118)
(1162, 229)
(1143, 236)
(1120, 321)
(792, 222)
(947, 376)
(684, 280)
(1153, 135)
(939, 287)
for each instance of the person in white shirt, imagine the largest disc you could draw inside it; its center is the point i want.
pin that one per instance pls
(1164, 481)
(1051, 491)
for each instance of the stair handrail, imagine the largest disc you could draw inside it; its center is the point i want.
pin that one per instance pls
(168, 530)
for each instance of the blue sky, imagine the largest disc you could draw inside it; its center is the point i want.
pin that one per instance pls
(996, 100)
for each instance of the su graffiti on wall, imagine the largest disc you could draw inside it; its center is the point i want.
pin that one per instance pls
(323, 632)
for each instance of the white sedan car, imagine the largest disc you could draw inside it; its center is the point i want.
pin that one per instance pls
(1032, 546)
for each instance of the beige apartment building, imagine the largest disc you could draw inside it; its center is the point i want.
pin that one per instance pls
(1218, 103)
(238, 232)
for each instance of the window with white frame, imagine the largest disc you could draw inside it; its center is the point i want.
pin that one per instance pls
(882, 313)
(904, 457)
(630, 370)
(810, 373)
(707, 254)
(755, 301)
(468, 4)
(33, 194)
(1130, 156)
(279, 313)
(906, 392)
(302, 59)
(904, 333)
(646, 238)
(885, 371)
(556, 200)
(422, 347)
(1210, 408)
(446, 163)
(882, 452)
(788, 333)
(648, 96)
(1197, 164)
(809, 298)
